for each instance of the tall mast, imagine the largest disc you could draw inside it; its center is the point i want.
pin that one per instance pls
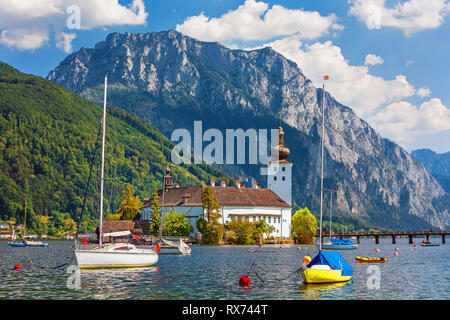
(162, 207)
(321, 175)
(103, 165)
(331, 211)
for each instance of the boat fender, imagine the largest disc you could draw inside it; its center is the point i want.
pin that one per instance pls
(377, 250)
(17, 267)
(244, 281)
(158, 247)
(298, 248)
(395, 253)
(306, 259)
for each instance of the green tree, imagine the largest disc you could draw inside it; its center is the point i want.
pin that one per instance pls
(211, 207)
(210, 228)
(176, 224)
(241, 231)
(304, 225)
(130, 204)
(155, 213)
(261, 228)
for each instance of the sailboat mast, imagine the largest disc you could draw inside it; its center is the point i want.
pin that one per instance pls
(321, 174)
(103, 165)
(162, 208)
(331, 211)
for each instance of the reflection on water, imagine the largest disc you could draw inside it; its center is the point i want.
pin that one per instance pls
(322, 290)
(212, 272)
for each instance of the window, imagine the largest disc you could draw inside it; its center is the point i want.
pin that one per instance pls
(274, 178)
(270, 219)
(283, 178)
(283, 169)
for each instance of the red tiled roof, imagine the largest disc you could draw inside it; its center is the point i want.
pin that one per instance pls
(226, 196)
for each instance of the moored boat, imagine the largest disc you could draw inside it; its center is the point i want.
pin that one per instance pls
(111, 255)
(371, 259)
(327, 267)
(336, 244)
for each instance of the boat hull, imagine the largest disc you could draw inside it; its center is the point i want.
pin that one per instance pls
(371, 260)
(323, 276)
(430, 245)
(12, 244)
(97, 259)
(338, 247)
(174, 250)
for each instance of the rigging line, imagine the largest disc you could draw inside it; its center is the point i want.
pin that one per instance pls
(89, 179)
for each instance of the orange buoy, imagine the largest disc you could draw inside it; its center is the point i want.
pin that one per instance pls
(377, 250)
(244, 281)
(158, 247)
(306, 259)
(415, 245)
(17, 267)
(298, 248)
(395, 253)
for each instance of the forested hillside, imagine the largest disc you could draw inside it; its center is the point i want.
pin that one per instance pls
(47, 138)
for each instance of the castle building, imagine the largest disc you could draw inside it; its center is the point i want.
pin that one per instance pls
(272, 204)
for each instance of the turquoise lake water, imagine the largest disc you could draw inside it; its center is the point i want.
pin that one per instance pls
(212, 272)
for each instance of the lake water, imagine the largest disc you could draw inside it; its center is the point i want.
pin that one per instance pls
(212, 272)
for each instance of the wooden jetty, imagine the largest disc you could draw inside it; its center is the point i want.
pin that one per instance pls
(392, 234)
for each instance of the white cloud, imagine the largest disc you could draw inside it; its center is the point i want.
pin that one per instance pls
(409, 63)
(255, 21)
(404, 122)
(411, 16)
(423, 92)
(23, 39)
(26, 24)
(351, 85)
(372, 60)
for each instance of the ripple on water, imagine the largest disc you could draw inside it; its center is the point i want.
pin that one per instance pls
(212, 272)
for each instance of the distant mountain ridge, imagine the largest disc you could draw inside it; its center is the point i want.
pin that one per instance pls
(170, 80)
(438, 164)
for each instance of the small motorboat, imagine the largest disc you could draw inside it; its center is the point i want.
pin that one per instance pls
(371, 259)
(26, 243)
(429, 244)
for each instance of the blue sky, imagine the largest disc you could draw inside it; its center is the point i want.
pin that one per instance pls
(387, 59)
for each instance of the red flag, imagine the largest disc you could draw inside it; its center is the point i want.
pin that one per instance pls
(326, 78)
(136, 237)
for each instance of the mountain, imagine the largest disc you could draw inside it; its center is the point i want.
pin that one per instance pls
(47, 137)
(170, 80)
(438, 164)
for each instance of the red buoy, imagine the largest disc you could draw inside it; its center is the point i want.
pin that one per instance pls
(17, 267)
(244, 281)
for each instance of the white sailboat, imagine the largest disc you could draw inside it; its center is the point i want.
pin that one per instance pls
(326, 267)
(117, 255)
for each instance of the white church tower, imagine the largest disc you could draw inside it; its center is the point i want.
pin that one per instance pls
(279, 178)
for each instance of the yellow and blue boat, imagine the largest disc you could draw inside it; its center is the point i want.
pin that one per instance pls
(327, 267)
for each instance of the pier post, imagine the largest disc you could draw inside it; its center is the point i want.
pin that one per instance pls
(410, 236)
(443, 238)
(393, 239)
(357, 239)
(428, 237)
(377, 239)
